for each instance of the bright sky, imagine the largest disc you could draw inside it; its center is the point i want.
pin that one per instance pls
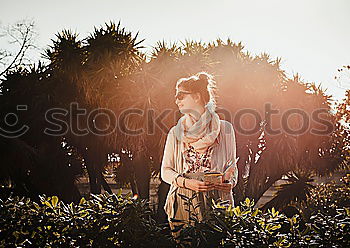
(311, 36)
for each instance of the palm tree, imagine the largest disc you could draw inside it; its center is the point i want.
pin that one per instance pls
(92, 70)
(107, 70)
(247, 82)
(28, 169)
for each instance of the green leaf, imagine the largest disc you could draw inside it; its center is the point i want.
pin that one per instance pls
(83, 213)
(16, 234)
(54, 201)
(177, 228)
(104, 227)
(246, 212)
(119, 193)
(255, 213)
(213, 203)
(71, 208)
(36, 205)
(347, 211)
(274, 212)
(47, 204)
(275, 227)
(96, 197)
(237, 211)
(82, 201)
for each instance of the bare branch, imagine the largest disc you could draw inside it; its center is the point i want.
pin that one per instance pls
(21, 33)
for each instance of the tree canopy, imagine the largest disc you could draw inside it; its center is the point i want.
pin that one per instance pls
(284, 127)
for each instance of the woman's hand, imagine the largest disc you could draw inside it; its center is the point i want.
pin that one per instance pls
(198, 186)
(225, 187)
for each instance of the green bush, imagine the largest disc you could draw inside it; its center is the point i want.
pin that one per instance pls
(121, 221)
(104, 221)
(328, 197)
(244, 226)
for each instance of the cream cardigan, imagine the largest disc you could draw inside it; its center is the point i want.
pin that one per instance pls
(224, 153)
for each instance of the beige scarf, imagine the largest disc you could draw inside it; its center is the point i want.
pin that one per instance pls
(199, 134)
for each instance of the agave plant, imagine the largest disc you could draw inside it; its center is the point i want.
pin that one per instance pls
(297, 188)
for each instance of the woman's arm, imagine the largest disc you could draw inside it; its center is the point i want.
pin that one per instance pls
(168, 173)
(171, 176)
(230, 171)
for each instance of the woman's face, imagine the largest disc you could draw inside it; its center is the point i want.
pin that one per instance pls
(186, 100)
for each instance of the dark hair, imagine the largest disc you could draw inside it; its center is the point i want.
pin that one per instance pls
(201, 83)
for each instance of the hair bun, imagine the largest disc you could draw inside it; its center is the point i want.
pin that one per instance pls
(202, 83)
(203, 76)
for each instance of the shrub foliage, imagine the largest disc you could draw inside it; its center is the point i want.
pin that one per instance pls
(113, 220)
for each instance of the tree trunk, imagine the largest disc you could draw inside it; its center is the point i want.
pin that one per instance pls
(92, 177)
(142, 175)
(258, 182)
(239, 190)
(104, 183)
(163, 190)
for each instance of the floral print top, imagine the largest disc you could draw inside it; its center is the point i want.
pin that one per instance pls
(197, 162)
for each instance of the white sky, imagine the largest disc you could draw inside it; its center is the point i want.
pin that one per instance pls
(311, 36)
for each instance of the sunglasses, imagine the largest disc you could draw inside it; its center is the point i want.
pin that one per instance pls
(180, 95)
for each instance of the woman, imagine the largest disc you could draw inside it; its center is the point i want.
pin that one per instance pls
(199, 143)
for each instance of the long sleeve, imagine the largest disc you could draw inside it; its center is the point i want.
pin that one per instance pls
(168, 172)
(231, 172)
